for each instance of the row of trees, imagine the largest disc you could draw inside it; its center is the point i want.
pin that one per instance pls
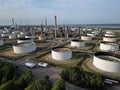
(7, 71)
(11, 80)
(17, 82)
(82, 78)
(46, 84)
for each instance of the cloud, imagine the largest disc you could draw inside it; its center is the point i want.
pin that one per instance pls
(69, 11)
(15, 4)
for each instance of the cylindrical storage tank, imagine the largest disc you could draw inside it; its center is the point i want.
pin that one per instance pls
(86, 38)
(109, 39)
(107, 61)
(77, 43)
(6, 31)
(61, 53)
(91, 34)
(5, 34)
(29, 36)
(22, 40)
(22, 48)
(110, 35)
(15, 32)
(12, 36)
(96, 32)
(1, 42)
(20, 35)
(110, 32)
(41, 37)
(106, 46)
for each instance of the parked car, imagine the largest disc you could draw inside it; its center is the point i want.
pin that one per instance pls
(30, 65)
(43, 64)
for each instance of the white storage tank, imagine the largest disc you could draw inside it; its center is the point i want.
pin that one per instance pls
(110, 35)
(107, 61)
(96, 32)
(61, 53)
(21, 40)
(77, 43)
(86, 38)
(5, 34)
(110, 32)
(91, 34)
(109, 39)
(20, 35)
(1, 42)
(106, 46)
(15, 32)
(29, 36)
(42, 37)
(22, 48)
(12, 36)
(5, 31)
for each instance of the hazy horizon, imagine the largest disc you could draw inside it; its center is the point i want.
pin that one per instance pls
(33, 12)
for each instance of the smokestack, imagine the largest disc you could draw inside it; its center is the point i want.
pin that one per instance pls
(13, 22)
(55, 26)
(46, 23)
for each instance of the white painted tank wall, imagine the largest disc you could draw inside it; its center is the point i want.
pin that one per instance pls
(20, 35)
(15, 32)
(22, 41)
(61, 55)
(12, 36)
(86, 38)
(25, 48)
(5, 34)
(42, 37)
(110, 35)
(1, 42)
(29, 37)
(80, 44)
(110, 32)
(91, 34)
(96, 32)
(109, 47)
(109, 39)
(106, 65)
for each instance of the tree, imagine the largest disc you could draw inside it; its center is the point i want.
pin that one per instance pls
(7, 86)
(43, 84)
(59, 85)
(23, 80)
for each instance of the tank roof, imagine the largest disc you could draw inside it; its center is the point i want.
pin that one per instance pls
(77, 40)
(109, 36)
(23, 44)
(108, 56)
(109, 43)
(62, 49)
(24, 38)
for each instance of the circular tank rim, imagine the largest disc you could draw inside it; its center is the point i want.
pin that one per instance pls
(76, 40)
(108, 43)
(23, 43)
(85, 36)
(107, 54)
(24, 39)
(109, 37)
(67, 49)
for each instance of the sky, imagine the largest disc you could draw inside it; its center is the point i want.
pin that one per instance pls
(33, 12)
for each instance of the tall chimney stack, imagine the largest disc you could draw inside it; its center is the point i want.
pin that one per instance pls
(46, 23)
(13, 22)
(55, 26)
